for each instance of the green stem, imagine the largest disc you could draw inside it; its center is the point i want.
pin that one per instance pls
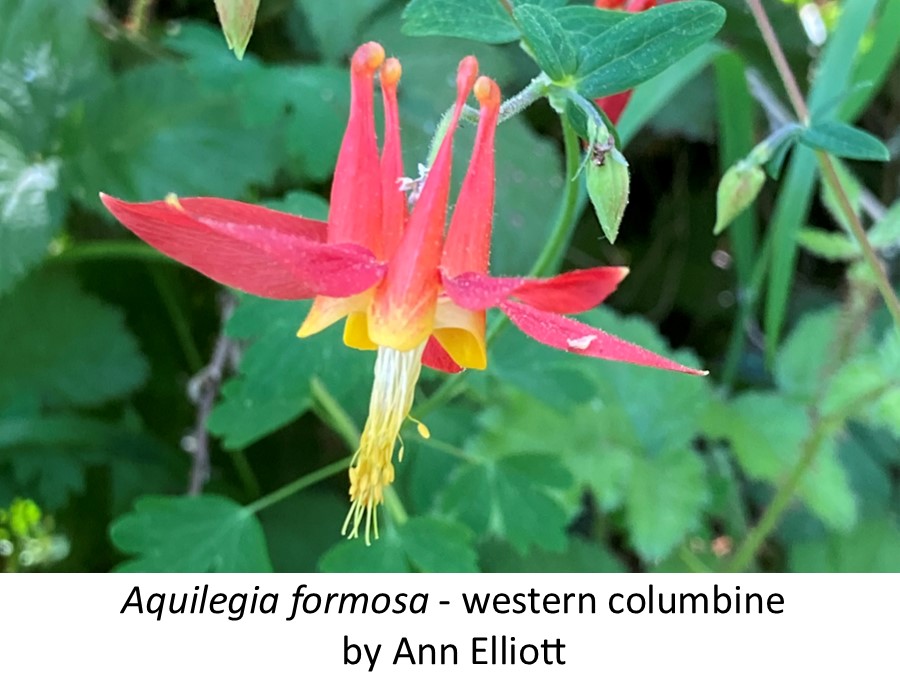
(776, 508)
(394, 506)
(301, 483)
(178, 318)
(333, 414)
(245, 473)
(112, 250)
(827, 166)
(859, 233)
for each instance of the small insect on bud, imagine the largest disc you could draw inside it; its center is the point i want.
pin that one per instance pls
(738, 188)
(237, 18)
(608, 184)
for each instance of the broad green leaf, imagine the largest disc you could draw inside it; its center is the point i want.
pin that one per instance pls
(579, 556)
(547, 40)
(272, 386)
(208, 533)
(51, 475)
(292, 549)
(28, 217)
(237, 18)
(65, 347)
(646, 44)
(158, 130)
(482, 20)
(584, 23)
(513, 497)
(51, 57)
(843, 140)
(652, 96)
(832, 246)
(423, 544)
(336, 32)
(768, 435)
(873, 546)
(807, 355)
(665, 500)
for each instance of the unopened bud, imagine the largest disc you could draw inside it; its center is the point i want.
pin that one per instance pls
(608, 184)
(237, 18)
(737, 190)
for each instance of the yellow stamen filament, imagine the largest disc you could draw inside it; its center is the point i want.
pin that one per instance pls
(396, 374)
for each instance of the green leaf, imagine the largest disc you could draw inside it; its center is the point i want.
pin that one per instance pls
(512, 497)
(337, 33)
(549, 43)
(873, 546)
(843, 140)
(161, 129)
(665, 501)
(72, 349)
(237, 18)
(852, 188)
(582, 24)
(272, 387)
(579, 556)
(769, 434)
(208, 533)
(807, 355)
(652, 96)
(424, 544)
(831, 246)
(646, 44)
(482, 20)
(28, 219)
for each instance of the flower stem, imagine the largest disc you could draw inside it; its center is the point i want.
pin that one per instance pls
(111, 250)
(298, 485)
(825, 162)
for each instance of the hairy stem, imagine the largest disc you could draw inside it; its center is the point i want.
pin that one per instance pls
(825, 162)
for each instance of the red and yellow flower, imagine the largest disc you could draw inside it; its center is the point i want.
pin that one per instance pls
(406, 289)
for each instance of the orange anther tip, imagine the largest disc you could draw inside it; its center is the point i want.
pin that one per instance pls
(391, 71)
(466, 74)
(487, 92)
(368, 57)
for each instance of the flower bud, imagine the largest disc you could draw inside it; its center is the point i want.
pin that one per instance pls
(738, 188)
(237, 18)
(607, 184)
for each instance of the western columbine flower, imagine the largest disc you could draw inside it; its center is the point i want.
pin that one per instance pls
(406, 290)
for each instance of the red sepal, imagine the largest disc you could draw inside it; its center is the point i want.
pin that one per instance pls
(569, 293)
(569, 335)
(251, 248)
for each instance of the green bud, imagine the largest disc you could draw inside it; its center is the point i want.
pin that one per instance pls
(237, 18)
(738, 188)
(608, 184)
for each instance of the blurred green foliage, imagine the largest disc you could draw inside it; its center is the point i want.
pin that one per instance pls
(544, 462)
